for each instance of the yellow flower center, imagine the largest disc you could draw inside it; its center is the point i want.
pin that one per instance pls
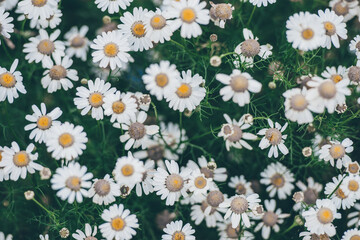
(278, 180)
(7, 80)
(57, 72)
(325, 215)
(96, 99)
(327, 89)
(44, 122)
(111, 50)
(66, 140)
(157, 22)
(174, 182)
(353, 168)
(21, 159)
(341, 8)
(239, 83)
(329, 28)
(161, 80)
(118, 224)
(38, 3)
(138, 29)
(337, 151)
(353, 185)
(307, 34)
(178, 236)
(1, 155)
(74, 183)
(127, 170)
(184, 91)
(118, 107)
(274, 136)
(200, 182)
(188, 15)
(340, 193)
(336, 78)
(46, 47)
(355, 237)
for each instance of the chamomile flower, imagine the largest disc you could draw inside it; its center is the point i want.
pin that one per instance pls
(233, 133)
(41, 122)
(42, 47)
(71, 182)
(128, 170)
(146, 184)
(271, 219)
(318, 219)
(174, 137)
(92, 98)
(250, 48)
(238, 208)
(311, 236)
(274, 137)
(104, 191)
(227, 232)
(198, 184)
(133, 29)
(137, 133)
(112, 6)
(241, 186)
(355, 45)
(238, 86)
(352, 186)
(311, 192)
(77, 44)
(279, 180)
(119, 223)
(17, 162)
(111, 49)
(157, 26)
(59, 75)
(260, 3)
(298, 106)
(159, 78)
(121, 107)
(88, 234)
(354, 217)
(198, 214)
(217, 174)
(186, 93)
(6, 26)
(66, 141)
(189, 15)
(337, 151)
(334, 28)
(8, 4)
(35, 9)
(351, 234)
(334, 74)
(221, 12)
(347, 9)
(305, 31)
(10, 83)
(176, 230)
(3, 175)
(339, 196)
(171, 183)
(53, 21)
(156, 151)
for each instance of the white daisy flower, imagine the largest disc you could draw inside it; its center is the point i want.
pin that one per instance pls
(311, 236)
(334, 74)
(271, 219)
(217, 174)
(89, 234)
(318, 219)
(111, 49)
(198, 184)
(66, 141)
(249, 49)
(156, 151)
(53, 21)
(41, 122)
(176, 230)
(189, 15)
(157, 27)
(354, 217)
(334, 28)
(238, 86)
(112, 6)
(227, 232)
(92, 98)
(233, 133)
(174, 137)
(36, 9)
(119, 223)
(273, 137)
(186, 93)
(337, 151)
(159, 78)
(77, 43)
(33, 23)
(59, 75)
(71, 182)
(352, 186)
(137, 133)
(3, 175)
(279, 180)
(311, 192)
(298, 106)
(170, 184)
(10, 83)
(221, 12)
(305, 31)
(8, 4)
(104, 191)
(42, 47)
(17, 162)
(241, 186)
(128, 170)
(146, 184)
(237, 208)
(260, 3)
(121, 107)
(133, 29)
(5, 23)
(198, 214)
(347, 9)
(351, 234)
(339, 196)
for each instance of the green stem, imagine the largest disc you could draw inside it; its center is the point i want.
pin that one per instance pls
(291, 227)
(226, 54)
(176, 43)
(252, 14)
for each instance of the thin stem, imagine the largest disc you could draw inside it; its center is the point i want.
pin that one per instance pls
(252, 14)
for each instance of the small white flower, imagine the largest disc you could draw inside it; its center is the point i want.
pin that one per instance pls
(311, 236)
(336, 75)
(334, 28)
(227, 232)
(157, 26)
(3, 175)
(218, 174)
(352, 186)
(77, 43)
(198, 184)
(128, 170)
(120, 106)
(241, 186)
(337, 151)
(40, 9)
(347, 9)
(176, 230)
(112, 6)
(89, 234)
(211, 218)
(310, 191)
(53, 21)
(339, 196)
(6, 25)
(351, 234)
(104, 191)
(10, 83)
(221, 12)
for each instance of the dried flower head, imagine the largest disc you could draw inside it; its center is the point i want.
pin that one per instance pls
(29, 195)
(45, 173)
(298, 197)
(64, 232)
(215, 61)
(307, 151)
